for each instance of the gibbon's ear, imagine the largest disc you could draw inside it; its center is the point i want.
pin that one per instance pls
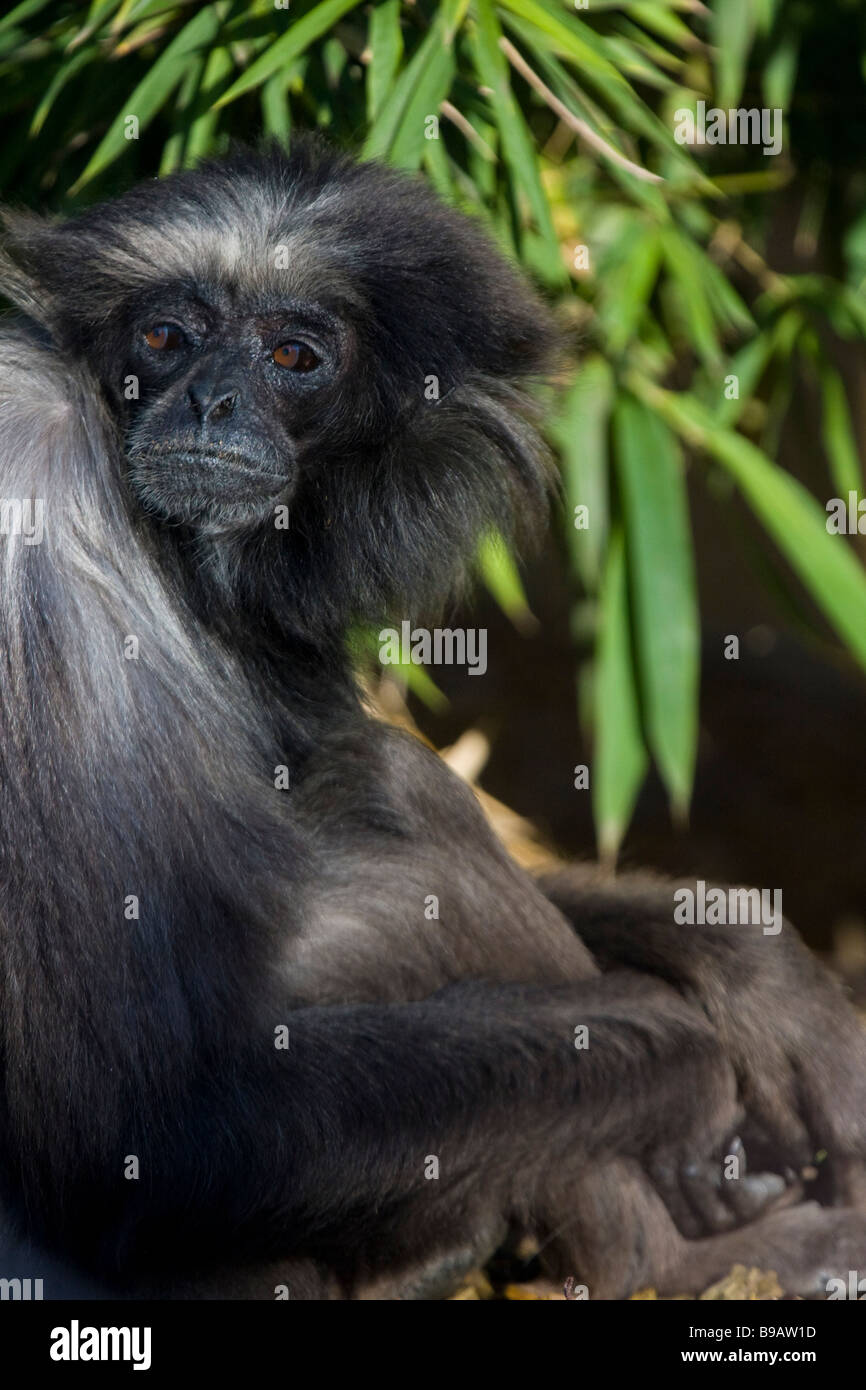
(50, 270)
(22, 237)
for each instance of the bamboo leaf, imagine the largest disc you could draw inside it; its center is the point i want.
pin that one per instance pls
(301, 33)
(438, 167)
(733, 26)
(591, 54)
(687, 267)
(574, 39)
(633, 61)
(748, 366)
(173, 150)
(517, 144)
(581, 436)
(203, 129)
(421, 683)
(19, 14)
(383, 132)
(276, 112)
(386, 50)
(627, 284)
(662, 20)
(619, 758)
(838, 435)
(502, 578)
(663, 590)
(154, 90)
(431, 89)
(780, 72)
(726, 304)
(58, 82)
(826, 565)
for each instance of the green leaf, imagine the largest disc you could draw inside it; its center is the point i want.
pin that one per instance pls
(733, 24)
(634, 63)
(748, 366)
(197, 118)
(386, 50)
(130, 16)
(276, 112)
(657, 53)
(20, 13)
(173, 150)
(301, 33)
(786, 331)
(63, 75)
(383, 132)
(97, 14)
(619, 756)
(663, 590)
(595, 63)
(662, 20)
(421, 683)
(517, 144)
(687, 266)
(430, 90)
(838, 435)
(765, 14)
(780, 71)
(854, 302)
(502, 578)
(438, 167)
(363, 647)
(826, 565)
(580, 433)
(726, 304)
(627, 283)
(574, 39)
(153, 91)
(202, 131)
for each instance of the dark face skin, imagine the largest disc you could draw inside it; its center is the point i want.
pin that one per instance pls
(227, 392)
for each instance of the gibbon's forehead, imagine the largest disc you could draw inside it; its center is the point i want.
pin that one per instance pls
(303, 223)
(267, 245)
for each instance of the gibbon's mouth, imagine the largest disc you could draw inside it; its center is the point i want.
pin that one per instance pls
(217, 462)
(210, 487)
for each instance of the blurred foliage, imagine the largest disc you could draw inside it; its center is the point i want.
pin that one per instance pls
(554, 124)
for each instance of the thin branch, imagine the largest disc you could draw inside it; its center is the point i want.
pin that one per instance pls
(466, 128)
(575, 123)
(729, 240)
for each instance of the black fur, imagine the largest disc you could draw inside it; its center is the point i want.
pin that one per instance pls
(154, 777)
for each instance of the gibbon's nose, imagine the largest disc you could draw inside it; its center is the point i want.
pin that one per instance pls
(213, 400)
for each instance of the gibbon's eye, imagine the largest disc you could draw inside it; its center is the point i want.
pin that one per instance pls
(296, 357)
(164, 337)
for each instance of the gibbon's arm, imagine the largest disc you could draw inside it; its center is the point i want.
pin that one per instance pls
(335, 1134)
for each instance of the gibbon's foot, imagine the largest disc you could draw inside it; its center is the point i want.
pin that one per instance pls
(706, 1196)
(806, 1246)
(796, 1044)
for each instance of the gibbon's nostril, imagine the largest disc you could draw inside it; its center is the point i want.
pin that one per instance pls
(223, 406)
(211, 401)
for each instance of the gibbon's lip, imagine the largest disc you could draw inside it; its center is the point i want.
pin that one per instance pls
(186, 469)
(219, 458)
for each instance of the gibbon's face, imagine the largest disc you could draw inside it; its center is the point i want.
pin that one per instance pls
(230, 385)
